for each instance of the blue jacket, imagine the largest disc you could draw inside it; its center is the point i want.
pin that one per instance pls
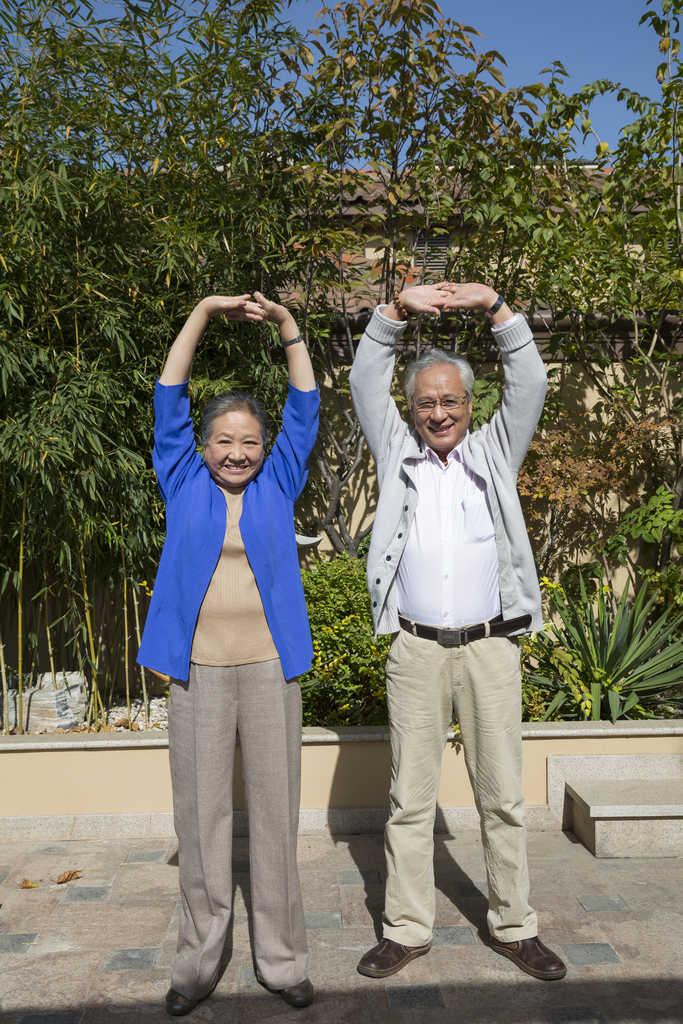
(195, 529)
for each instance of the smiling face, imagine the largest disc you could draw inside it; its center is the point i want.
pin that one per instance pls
(440, 429)
(234, 452)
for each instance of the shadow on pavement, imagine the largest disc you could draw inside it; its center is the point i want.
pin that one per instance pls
(519, 1000)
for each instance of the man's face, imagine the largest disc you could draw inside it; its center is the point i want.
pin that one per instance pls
(440, 429)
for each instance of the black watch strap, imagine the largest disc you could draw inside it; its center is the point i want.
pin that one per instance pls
(495, 307)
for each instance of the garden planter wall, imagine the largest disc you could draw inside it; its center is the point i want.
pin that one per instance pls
(86, 785)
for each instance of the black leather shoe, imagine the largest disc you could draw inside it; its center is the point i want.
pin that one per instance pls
(178, 1005)
(532, 956)
(388, 957)
(298, 995)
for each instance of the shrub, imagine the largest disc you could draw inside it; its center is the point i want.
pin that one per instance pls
(595, 665)
(345, 685)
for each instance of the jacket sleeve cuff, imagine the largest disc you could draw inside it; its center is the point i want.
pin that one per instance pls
(383, 330)
(512, 334)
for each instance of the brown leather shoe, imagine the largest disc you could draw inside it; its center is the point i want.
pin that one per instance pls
(388, 957)
(532, 956)
(298, 995)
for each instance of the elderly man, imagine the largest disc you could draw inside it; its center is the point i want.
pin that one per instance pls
(452, 578)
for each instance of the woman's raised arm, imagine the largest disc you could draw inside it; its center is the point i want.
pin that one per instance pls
(298, 359)
(179, 361)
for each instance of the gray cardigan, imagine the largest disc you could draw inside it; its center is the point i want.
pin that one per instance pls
(495, 453)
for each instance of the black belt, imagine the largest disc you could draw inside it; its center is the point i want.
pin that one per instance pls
(460, 637)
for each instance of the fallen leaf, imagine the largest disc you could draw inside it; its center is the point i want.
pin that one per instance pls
(26, 883)
(67, 876)
(122, 723)
(135, 727)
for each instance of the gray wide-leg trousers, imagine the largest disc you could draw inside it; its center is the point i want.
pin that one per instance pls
(204, 716)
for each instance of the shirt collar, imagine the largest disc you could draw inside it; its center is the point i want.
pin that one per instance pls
(455, 455)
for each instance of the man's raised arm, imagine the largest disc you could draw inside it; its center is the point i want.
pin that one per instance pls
(373, 368)
(513, 425)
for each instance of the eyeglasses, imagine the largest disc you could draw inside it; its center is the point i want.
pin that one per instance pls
(448, 404)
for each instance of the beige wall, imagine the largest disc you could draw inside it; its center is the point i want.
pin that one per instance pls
(348, 774)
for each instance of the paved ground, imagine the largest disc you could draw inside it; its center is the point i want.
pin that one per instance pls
(99, 949)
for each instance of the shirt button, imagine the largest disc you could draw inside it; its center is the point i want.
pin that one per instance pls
(445, 615)
(405, 508)
(377, 581)
(388, 558)
(445, 577)
(374, 604)
(400, 535)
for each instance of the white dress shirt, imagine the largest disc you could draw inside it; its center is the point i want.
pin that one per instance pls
(448, 573)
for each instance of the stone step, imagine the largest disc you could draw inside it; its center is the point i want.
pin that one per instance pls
(629, 798)
(628, 817)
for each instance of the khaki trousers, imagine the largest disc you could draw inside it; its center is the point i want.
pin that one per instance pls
(204, 716)
(426, 683)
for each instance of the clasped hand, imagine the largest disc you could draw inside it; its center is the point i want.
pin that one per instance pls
(239, 307)
(432, 299)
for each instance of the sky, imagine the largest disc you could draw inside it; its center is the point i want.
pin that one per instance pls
(592, 38)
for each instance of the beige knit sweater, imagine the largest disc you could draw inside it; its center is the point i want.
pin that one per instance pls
(231, 627)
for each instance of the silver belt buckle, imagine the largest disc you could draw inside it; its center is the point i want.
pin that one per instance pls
(451, 637)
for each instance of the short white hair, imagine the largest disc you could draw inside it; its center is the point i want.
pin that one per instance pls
(436, 357)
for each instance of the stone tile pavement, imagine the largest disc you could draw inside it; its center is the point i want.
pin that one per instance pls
(99, 949)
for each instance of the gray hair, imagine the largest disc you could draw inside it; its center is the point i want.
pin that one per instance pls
(436, 357)
(233, 401)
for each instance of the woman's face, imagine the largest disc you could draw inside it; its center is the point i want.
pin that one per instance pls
(234, 452)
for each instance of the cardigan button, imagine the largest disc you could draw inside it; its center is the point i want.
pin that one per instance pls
(374, 604)
(400, 535)
(405, 508)
(388, 558)
(378, 581)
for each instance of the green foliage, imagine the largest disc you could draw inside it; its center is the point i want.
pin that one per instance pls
(169, 151)
(487, 394)
(656, 524)
(655, 517)
(666, 585)
(116, 214)
(596, 666)
(346, 683)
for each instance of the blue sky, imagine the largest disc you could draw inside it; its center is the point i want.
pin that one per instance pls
(593, 39)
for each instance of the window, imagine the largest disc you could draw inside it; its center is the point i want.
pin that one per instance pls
(437, 251)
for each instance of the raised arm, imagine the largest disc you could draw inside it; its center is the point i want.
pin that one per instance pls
(373, 367)
(288, 459)
(179, 361)
(512, 426)
(298, 360)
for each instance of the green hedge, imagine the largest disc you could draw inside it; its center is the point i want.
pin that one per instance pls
(346, 683)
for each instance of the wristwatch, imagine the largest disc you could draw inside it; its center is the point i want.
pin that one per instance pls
(495, 307)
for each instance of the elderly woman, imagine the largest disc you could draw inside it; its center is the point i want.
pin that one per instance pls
(228, 625)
